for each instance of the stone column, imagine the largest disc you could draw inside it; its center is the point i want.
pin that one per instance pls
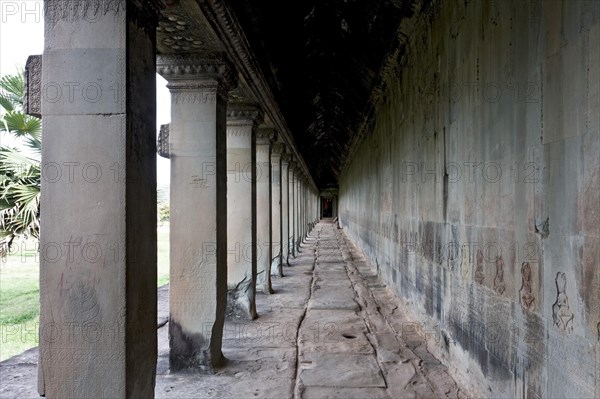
(98, 208)
(297, 232)
(285, 214)
(276, 258)
(291, 210)
(304, 209)
(264, 138)
(242, 123)
(198, 237)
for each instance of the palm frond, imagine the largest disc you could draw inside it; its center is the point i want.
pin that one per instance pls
(20, 175)
(15, 164)
(14, 87)
(7, 103)
(21, 124)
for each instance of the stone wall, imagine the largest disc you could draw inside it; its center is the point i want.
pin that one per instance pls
(475, 191)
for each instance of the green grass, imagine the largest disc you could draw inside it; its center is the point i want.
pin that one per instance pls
(19, 300)
(163, 255)
(20, 294)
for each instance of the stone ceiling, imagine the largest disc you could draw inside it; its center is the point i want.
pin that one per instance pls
(324, 59)
(321, 59)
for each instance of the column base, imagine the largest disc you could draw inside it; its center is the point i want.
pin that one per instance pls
(191, 352)
(262, 285)
(240, 301)
(276, 267)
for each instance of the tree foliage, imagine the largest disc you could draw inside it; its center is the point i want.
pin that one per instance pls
(20, 173)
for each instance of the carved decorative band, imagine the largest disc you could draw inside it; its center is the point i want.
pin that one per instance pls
(145, 14)
(277, 149)
(265, 136)
(77, 10)
(262, 148)
(238, 132)
(162, 145)
(193, 97)
(193, 67)
(32, 96)
(238, 112)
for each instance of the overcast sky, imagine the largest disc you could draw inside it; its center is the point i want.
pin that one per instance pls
(22, 34)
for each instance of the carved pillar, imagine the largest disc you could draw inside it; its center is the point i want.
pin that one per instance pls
(291, 210)
(285, 215)
(297, 235)
(303, 214)
(304, 209)
(297, 209)
(264, 138)
(197, 137)
(276, 258)
(98, 229)
(242, 123)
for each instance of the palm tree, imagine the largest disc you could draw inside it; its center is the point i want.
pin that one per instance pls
(20, 173)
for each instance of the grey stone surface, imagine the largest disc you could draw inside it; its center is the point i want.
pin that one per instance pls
(242, 124)
(276, 221)
(98, 203)
(292, 202)
(343, 370)
(197, 136)
(263, 210)
(285, 205)
(344, 393)
(475, 196)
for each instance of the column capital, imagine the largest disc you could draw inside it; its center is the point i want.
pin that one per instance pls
(285, 156)
(244, 114)
(265, 136)
(278, 149)
(187, 71)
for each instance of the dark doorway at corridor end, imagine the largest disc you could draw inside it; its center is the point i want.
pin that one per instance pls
(326, 207)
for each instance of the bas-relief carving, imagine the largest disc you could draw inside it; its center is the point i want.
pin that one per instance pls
(526, 297)
(193, 73)
(561, 311)
(499, 285)
(194, 97)
(162, 145)
(71, 11)
(32, 96)
(76, 10)
(238, 132)
(178, 33)
(83, 303)
(464, 268)
(479, 276)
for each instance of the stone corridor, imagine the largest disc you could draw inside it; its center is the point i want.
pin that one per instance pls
(332, 329)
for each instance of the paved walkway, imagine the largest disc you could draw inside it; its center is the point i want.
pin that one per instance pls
(331, 330)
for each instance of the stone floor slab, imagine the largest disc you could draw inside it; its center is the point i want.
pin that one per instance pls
(340, 370)
(344, 393)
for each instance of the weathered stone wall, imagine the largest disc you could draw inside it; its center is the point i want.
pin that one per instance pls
(476, 191)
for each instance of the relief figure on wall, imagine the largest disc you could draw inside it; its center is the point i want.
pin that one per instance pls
(479, 276)
(561, 312)
(526, 295)
(499, 285)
